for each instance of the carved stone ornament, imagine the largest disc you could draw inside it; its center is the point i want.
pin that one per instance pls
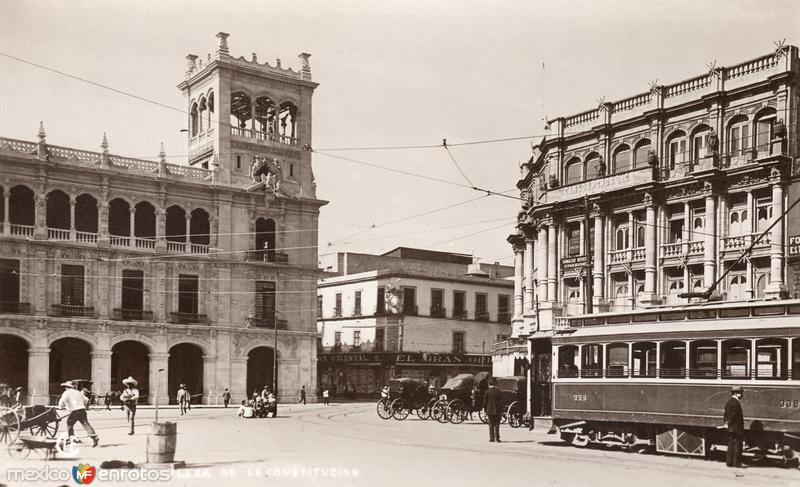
(648, 199)
(774, 175)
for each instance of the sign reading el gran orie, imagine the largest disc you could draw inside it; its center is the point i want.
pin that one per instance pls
(420, 358)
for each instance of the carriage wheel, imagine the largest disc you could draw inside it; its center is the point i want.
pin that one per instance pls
(423, 412)
(515, 414)
(48, 429)
(384, 409)
(9, 426)
(441, 412)
(18, 450)
(399, 410)
(458, 411)
(482, 416)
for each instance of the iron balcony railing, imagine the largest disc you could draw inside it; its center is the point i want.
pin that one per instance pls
(14, 307)
(133, 315)
(70, 310)
(187, 318)
(268, 323)
(438, 312)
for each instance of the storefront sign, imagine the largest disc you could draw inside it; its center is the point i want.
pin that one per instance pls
(794, 246)
(415, 358)
(570, 263)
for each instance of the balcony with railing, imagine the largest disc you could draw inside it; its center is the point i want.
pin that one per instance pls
(438, 312)
(70, 310)
(268, 323)
(459, 314)
(57, 234)
(264, 137)
(132, 315)
(21, 230)
(741, 242)
(86, 237)
(410, 310)
(267, 256)
(13, 307)
(481, 316)
(188, 318)
(119, 241)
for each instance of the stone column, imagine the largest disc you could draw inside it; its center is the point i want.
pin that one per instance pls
(40, 217)
(102, 223)
(651, 251)
(6, 210)
(776, 287)
(39, 375)
(161, 219)
(132, 227)
(101, 371)
(529, 292)
(599, 263)
(188, 230)
(72, 218)
(210, 379)
(552, 262)
(159, 380)
(709, 244)
(238, 386)
(518, 276)
(544, 269)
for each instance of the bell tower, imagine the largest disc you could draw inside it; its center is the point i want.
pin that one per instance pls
(243, 114)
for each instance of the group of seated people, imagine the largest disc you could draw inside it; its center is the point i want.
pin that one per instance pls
(259, 406)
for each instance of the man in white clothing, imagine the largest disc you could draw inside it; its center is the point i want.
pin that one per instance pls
(130, 398)
(75, 402)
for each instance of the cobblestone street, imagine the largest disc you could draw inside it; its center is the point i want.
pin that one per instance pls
(346, 444)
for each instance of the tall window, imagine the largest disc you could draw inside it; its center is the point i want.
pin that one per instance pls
(481, 311)
(337, 310)
(356, 339)
(738, 136)
(622, 159)
(437, 303)
(699, 144)
(265, 303)
(337, 340)
(764, 132)
(187, 294)
(9, 281)
(380, 306)
(574, 241)
(458, 342)
(459, 304)
(641, 154)
(593, 167)
(319, 306)
(132, 289)
(72, 285)
(503, 308)
(380, 334)
(677, 149)
(574, 171)
(357, 304)
(409, 301)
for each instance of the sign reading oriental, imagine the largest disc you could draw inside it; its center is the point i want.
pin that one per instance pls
(410, 358)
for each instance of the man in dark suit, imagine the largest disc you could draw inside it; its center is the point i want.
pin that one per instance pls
(491, 406)
(734, 422)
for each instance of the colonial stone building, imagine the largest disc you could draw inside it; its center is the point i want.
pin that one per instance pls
(634, 202)
(410, 312)
(112, 266)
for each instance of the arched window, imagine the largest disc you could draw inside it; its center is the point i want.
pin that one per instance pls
(144, 222)
(574, 171)
(175, 224)
(737, 290)
(86, 214)
(761, 285)
(640, 236)
(698, 223)
(699, 143)
(202, 112)
(199, 227)
(58, 209)
(194, 117)
(622, 159)
(265, 238)
(765, 130)
(210, 111)
(641, 154)
(266, 117)
(119, 218)
(594, 167)
(738, 136)
(240, 111)
(22, 207)
(287, 120)
(676, 149)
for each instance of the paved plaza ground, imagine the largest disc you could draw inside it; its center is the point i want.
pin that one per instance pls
(347, 444)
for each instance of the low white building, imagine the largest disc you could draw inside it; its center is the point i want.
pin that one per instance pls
(408, 313)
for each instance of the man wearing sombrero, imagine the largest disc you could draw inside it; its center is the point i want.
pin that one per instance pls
(129, 398)
(183, 399)
(75, 402)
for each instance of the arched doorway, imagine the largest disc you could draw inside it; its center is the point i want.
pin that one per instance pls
(130, 358)
(259, 370)
(185, 367)
(14, 363)
(70, 359)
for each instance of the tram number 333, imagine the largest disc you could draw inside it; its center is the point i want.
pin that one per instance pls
(789, 403)
(582, 397)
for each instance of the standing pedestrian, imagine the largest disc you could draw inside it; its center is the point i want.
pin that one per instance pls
(75, 402)
(188, 398)
(226, 397)
(325, 396)
(18, 396)
(734, 422)
(109, 397)
(130, 398)
(183, 398)
(491, 405)
(302, 395)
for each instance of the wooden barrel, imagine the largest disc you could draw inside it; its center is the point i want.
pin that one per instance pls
(161, 441)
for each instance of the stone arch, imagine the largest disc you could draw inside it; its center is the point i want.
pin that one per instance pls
(72, 334)
(29, 339)
(252, 345)
(204, 346)
(134, 337)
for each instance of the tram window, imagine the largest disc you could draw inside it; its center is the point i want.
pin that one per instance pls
(796, 358)
(567, 361)
(592, 361)
(703, 360)
(617, 359)
(771, 358)
(673, 360)
(736, 359)
(644, 359)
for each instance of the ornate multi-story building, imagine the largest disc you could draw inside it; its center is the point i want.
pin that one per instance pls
(112, 266)
(410, 312)
(632, 204)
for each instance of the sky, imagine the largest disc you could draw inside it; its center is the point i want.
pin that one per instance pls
(391, 73)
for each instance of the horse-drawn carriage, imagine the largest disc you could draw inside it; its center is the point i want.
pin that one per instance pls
(405, 396)
(460, 396)
(513, 394)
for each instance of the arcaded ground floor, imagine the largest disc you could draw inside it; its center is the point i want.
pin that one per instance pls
(348, 445)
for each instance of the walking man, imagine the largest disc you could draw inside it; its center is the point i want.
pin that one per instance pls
(75, 402)
(491, 405)
(734, 422)
(130, 398)
(226, 397)
(183, 399)
(302, 395)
